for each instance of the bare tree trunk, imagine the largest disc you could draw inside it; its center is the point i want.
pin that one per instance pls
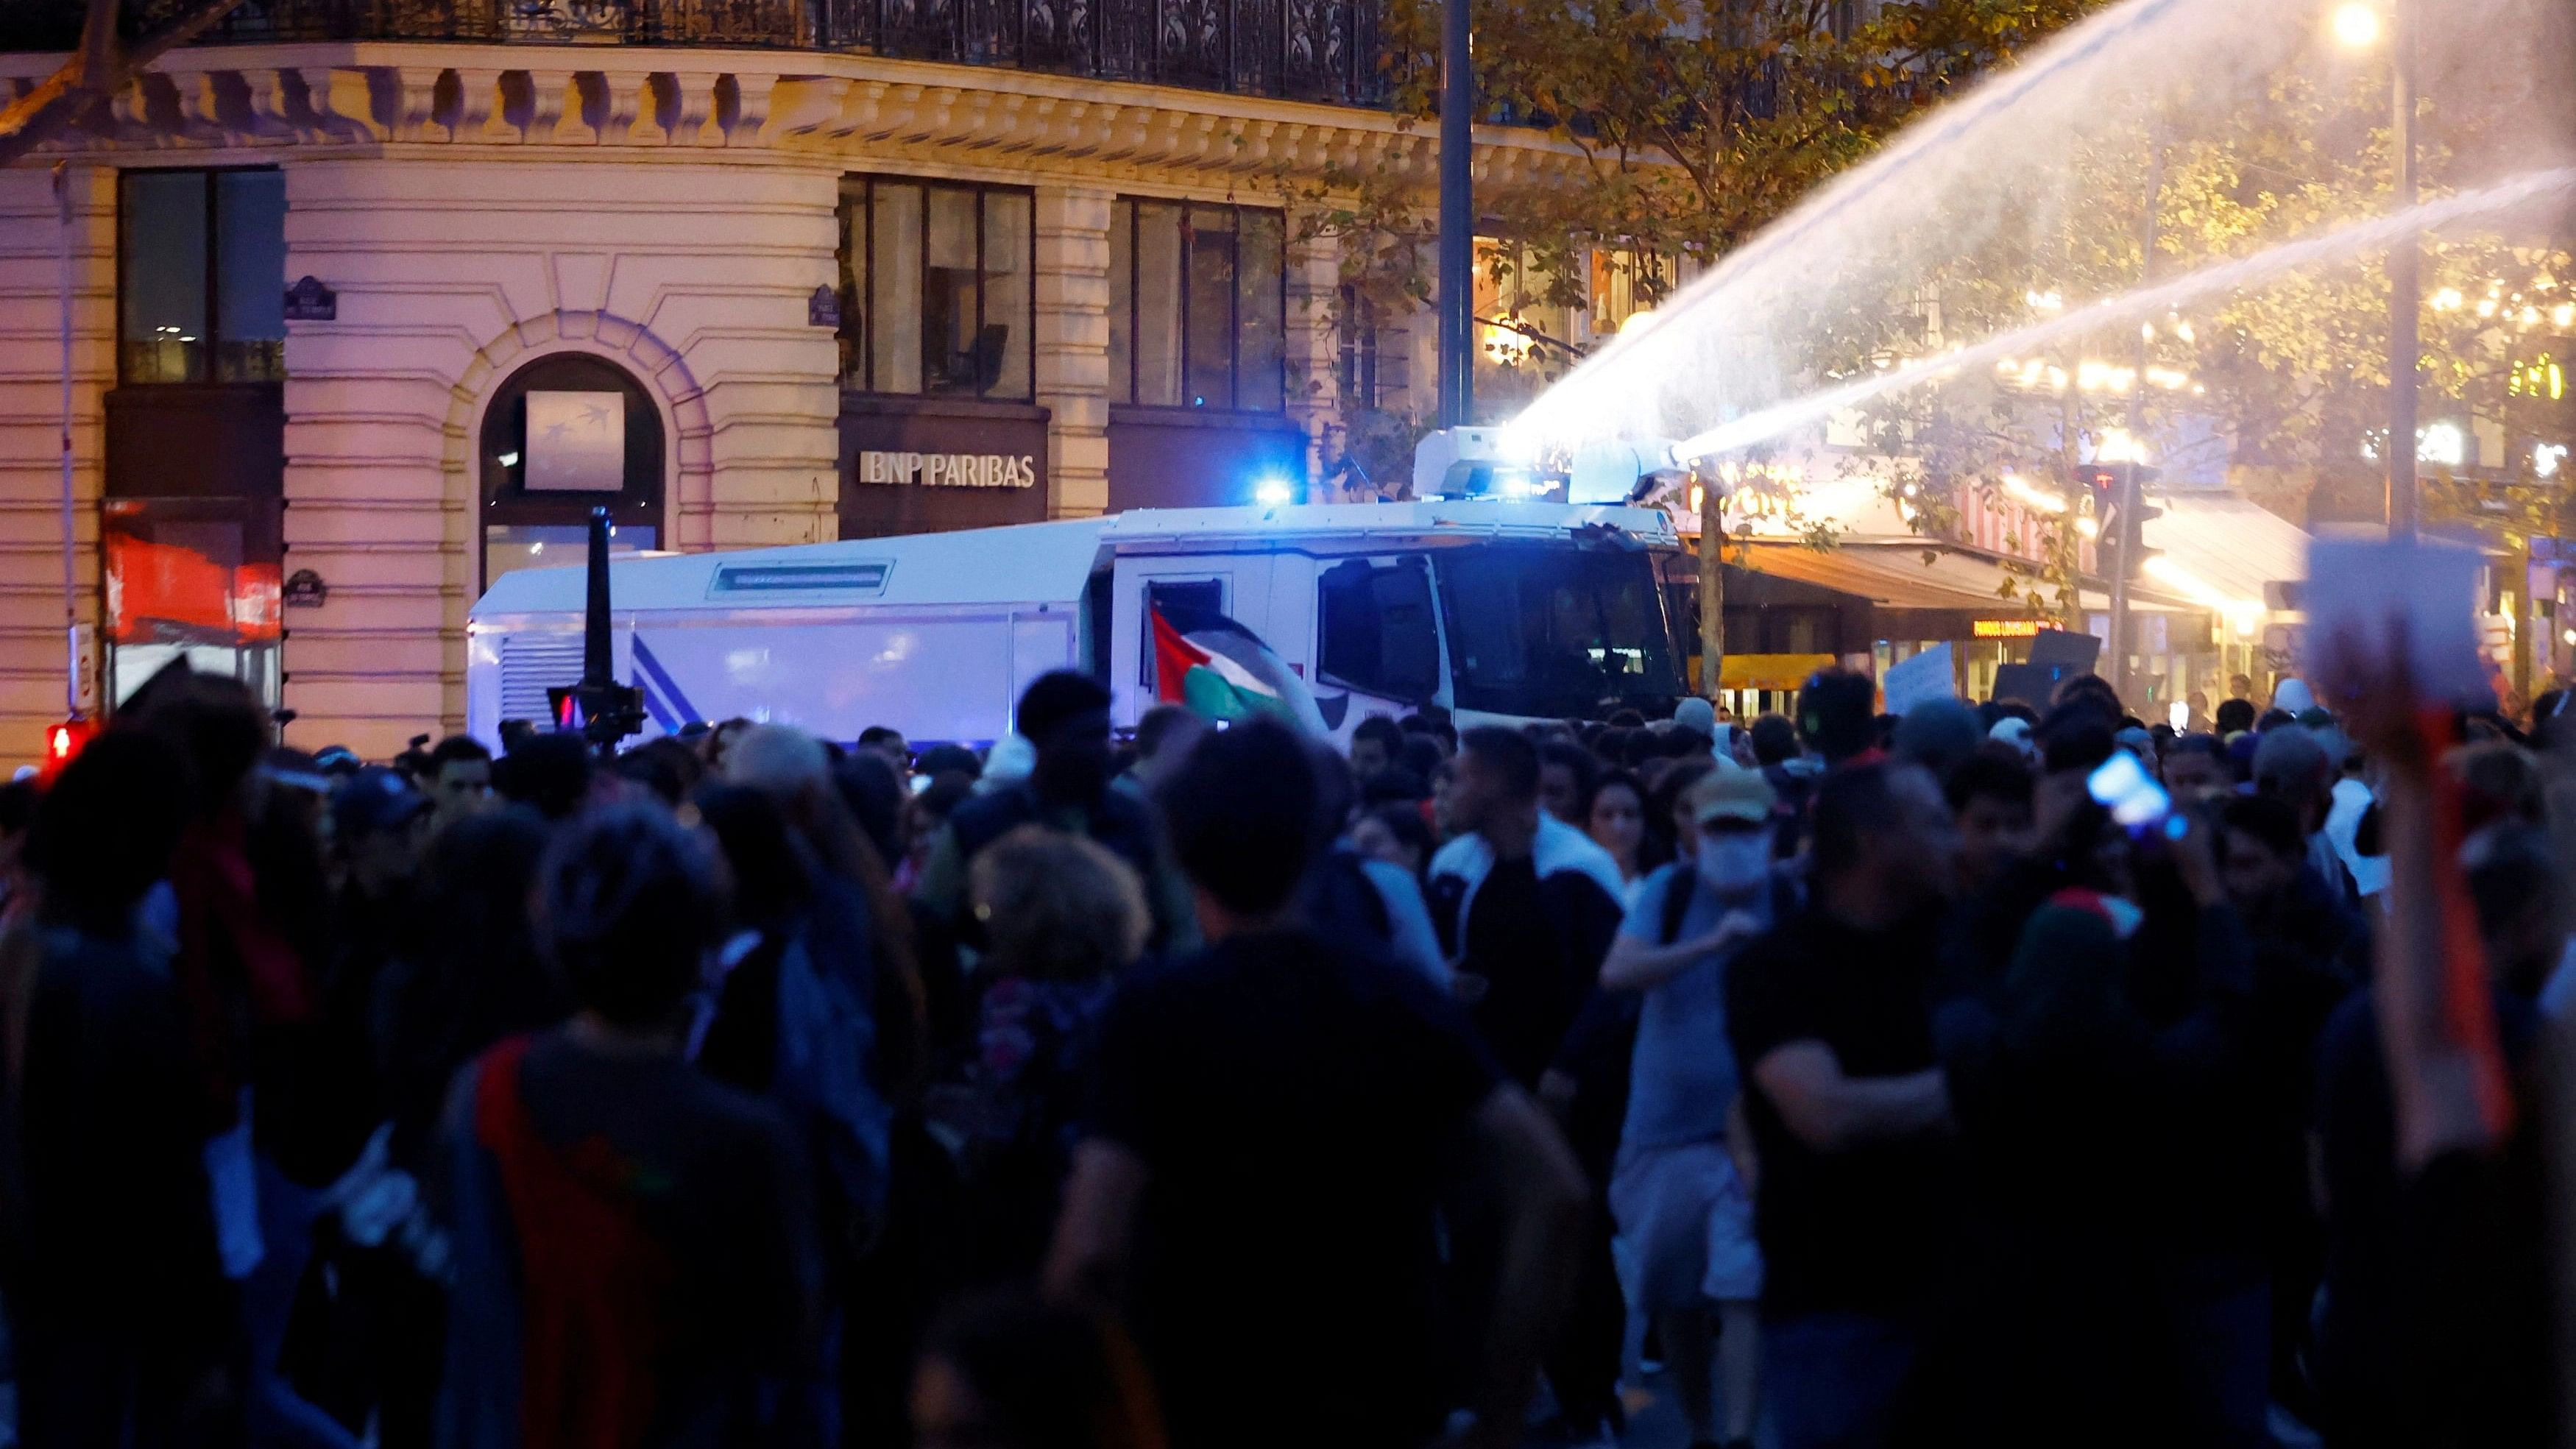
(1712, 589)
(2069, 542)
(98, 70)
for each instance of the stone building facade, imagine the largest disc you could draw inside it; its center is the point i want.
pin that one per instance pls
(355, 323)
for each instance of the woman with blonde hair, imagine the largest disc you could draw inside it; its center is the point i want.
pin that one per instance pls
(1062, 917)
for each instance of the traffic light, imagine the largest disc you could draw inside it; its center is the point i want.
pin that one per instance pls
(64, 741)
(600, 713)
(2102, 480)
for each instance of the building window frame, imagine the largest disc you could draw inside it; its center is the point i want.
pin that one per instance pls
(857, 213)
(1359, 348)
(1127, 299)
(212, 283)
(505, 504)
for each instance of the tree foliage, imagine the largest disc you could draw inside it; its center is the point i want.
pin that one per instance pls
(1696, 124)
(113, 45)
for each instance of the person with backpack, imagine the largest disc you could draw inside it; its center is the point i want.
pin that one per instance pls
(1677, 1194)
(1064, 919)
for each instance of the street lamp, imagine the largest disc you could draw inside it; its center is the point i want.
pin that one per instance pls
(2357, 24)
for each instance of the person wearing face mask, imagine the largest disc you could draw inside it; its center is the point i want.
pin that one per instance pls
(1677, 1193)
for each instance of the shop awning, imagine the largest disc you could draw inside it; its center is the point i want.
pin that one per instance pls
(2236, 548)
(1897, 576)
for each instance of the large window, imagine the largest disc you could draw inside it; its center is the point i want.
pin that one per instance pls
(1377, 631)
(1198, 306)
(935, 288)
(565, 434)
(1555, 633)
(201, 276)
(1359, 350)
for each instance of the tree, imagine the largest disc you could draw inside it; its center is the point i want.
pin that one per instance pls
(1697, 125)
(104, 63)
(2282, 383)
(1696, 128)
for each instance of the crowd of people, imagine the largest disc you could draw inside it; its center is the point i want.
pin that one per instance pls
(1986, 1075)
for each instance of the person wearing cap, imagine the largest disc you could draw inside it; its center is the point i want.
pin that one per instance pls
(1680, 1202)
(376, 819)
(1064, 717)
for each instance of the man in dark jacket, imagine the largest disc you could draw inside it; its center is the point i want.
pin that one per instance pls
(1066, 715)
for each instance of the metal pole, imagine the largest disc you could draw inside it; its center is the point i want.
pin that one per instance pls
(2405, 283)
(1457, 219)
(2132, 534)
(71, 591)
(598, 660)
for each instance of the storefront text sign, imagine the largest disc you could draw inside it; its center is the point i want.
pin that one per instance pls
(949, 470)
(2007, 628)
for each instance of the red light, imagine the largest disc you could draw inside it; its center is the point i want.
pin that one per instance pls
(63, 741)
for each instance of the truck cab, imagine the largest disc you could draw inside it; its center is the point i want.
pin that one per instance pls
(1499, 611)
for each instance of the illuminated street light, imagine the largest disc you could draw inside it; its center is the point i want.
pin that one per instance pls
(2356, 25)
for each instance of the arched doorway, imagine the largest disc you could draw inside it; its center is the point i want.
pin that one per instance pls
(565, 434)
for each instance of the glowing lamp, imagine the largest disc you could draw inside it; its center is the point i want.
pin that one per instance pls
(2356, 25)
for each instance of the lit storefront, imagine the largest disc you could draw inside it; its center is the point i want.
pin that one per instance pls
(1881, 593)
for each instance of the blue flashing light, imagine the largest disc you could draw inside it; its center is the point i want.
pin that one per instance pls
(1273, 491)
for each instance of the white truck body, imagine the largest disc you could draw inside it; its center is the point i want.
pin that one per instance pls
(936, 634)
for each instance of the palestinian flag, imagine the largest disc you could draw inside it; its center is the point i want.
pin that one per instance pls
(1222, 670)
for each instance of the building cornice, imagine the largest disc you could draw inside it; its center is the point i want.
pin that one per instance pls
(794, 108)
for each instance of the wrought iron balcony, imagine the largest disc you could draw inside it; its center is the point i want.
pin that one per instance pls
(1314, 50)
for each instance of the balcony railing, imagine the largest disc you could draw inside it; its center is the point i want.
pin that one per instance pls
(1314, 50)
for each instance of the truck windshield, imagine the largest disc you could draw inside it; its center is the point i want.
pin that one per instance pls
(1555, 632)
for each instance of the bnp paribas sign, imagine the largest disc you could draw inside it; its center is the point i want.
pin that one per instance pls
(949, 470)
